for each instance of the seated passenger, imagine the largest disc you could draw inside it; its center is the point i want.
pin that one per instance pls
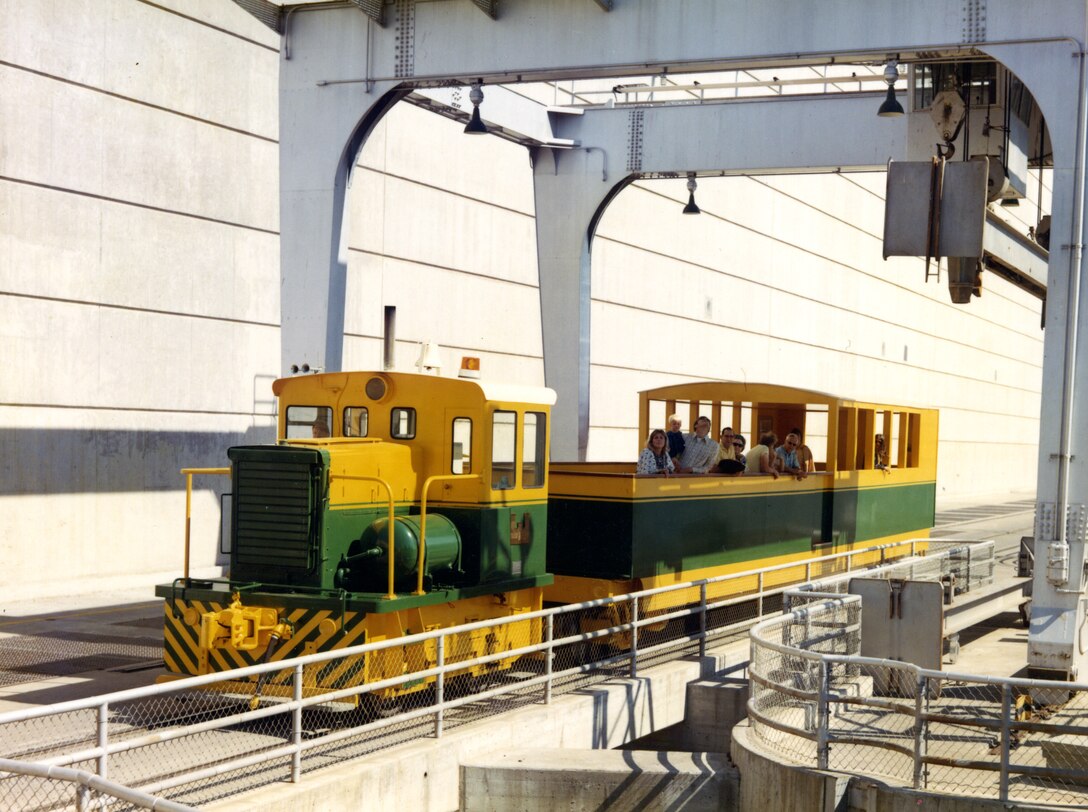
(725, 447)
(321, 428)
(655, 458)
(676, 438)
(738, 448)
(759, 458)
(804, 453)
(785, 457)
(699, 449)
(880, 454)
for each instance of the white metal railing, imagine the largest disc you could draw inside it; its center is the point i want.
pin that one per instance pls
(816, 701)
(108, 733)
(87, 784)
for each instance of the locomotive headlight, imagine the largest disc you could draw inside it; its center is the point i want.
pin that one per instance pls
(376, 388)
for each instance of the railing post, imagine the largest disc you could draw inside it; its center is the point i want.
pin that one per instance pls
(1006, 713)
(759, 600)
(188, 522)
(103, 739)
(296, 726)
(549, 659)
(922, 688)
(702, 619)
(634, 636)
(823, 718)
(440, 685)
(808, 571)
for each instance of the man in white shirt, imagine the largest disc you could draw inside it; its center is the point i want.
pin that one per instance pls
(699, 449)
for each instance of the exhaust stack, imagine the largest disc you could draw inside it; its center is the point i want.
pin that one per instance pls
(389, 337)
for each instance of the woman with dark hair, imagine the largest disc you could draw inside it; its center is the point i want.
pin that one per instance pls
(738, 444)
(655, 458)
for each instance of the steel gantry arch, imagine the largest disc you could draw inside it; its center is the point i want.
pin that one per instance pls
(573, 186)
(342, 65)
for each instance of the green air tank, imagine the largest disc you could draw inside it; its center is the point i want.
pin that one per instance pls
(368, 569)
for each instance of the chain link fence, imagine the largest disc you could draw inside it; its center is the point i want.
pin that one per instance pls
(205, 738)
(816, 702)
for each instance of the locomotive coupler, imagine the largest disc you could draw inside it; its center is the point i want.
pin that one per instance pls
(245, 627)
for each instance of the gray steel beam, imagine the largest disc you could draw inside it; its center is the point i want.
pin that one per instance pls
(1012, 256)
(508, 114)
(547, 39)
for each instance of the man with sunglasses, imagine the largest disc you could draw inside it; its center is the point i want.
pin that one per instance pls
(785, 457)
(726, 451)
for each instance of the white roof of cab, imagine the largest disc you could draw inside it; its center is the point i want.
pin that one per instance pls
(512, 393)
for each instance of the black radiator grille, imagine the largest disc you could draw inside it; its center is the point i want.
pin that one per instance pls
(273, 511)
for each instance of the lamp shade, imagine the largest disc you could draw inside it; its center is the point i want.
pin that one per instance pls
(891, 106)
(476, 125)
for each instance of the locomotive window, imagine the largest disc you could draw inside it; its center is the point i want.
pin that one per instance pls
(355, 421)
(460, 460)
(305, 422)
(533, 452)
(504, 429)
(402, 423)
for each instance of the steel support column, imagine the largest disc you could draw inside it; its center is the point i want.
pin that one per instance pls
(1058, 638)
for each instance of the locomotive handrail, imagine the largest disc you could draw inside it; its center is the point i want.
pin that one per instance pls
(390, 595)
(423, 519)
(189, 472)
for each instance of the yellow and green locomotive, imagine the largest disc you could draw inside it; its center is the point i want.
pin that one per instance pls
(393, 504)
(398, 503)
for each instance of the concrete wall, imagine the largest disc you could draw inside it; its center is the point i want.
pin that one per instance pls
(138, 280)
(139, 287)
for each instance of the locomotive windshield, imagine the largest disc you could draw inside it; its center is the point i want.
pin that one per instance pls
(308, 421)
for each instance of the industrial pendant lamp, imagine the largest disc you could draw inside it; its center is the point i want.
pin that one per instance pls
(691, 208)
(475, 124)
(891, 106)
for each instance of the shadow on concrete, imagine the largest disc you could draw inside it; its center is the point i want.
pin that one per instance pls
(73, 461)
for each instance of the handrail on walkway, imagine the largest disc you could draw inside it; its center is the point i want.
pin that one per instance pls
(816, 700)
